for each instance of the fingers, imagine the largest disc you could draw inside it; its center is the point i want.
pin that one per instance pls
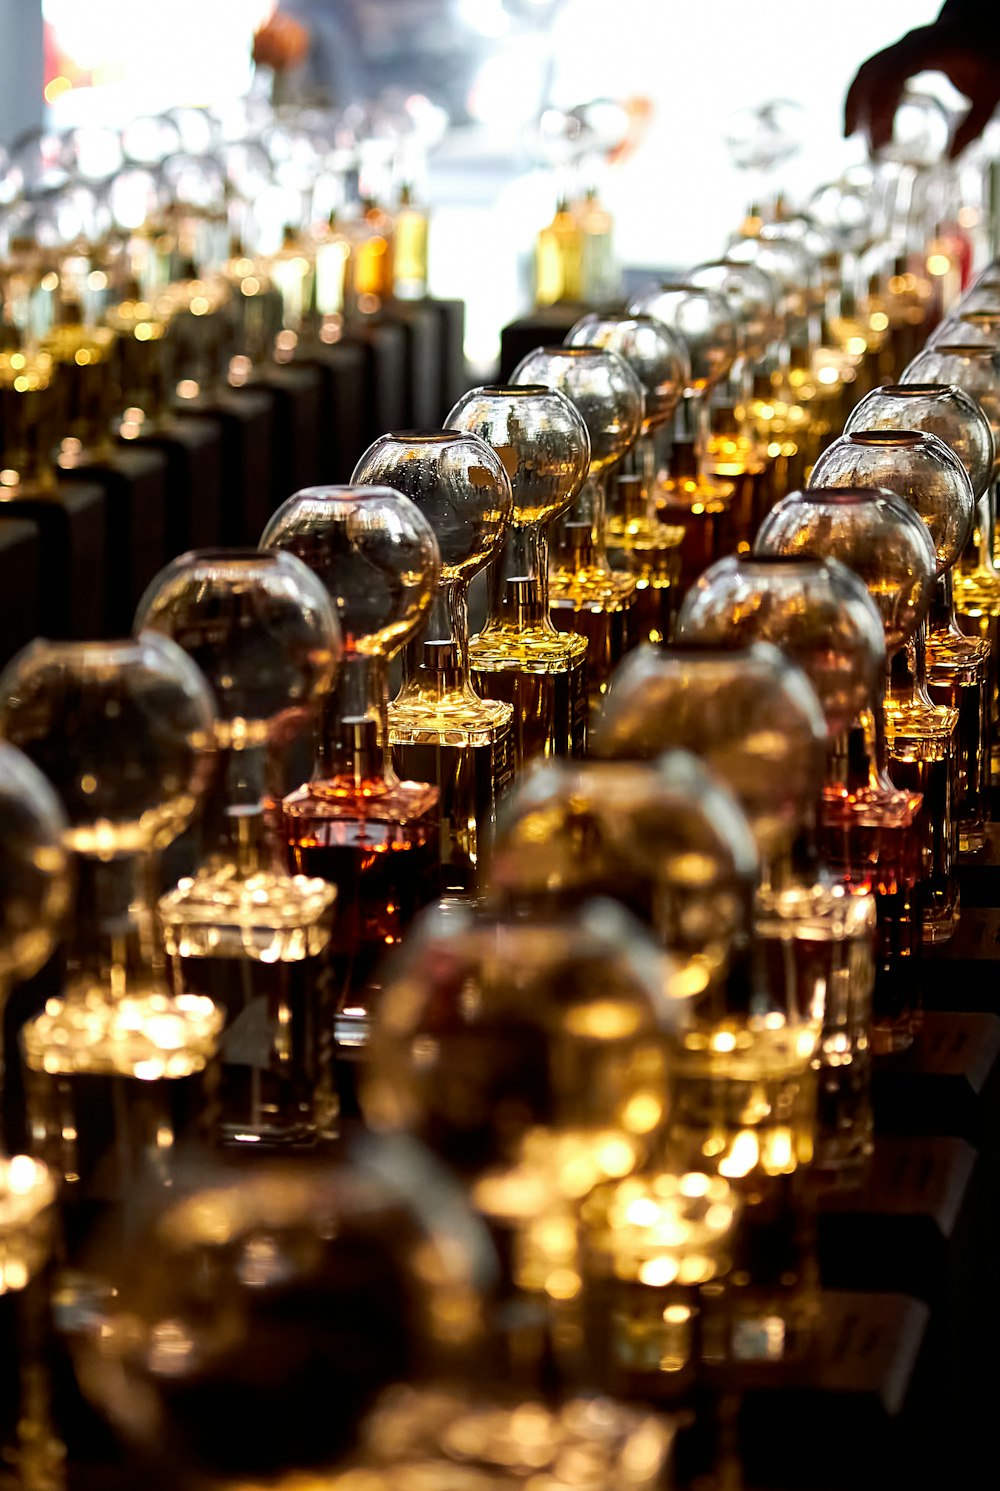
(971, 127)
(873, 98)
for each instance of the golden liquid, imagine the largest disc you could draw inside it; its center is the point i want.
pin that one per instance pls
(411, 242)
(86, 356)
(472, 780)
(29, 419)
(549, 708)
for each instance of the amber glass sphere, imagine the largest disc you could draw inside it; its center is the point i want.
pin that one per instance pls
(124, 731)
(374, 552)
(459, 484)
(606, 392)
(918, 467)
(656, 356)
(540, 439)
(816, 611)
(939, 409)
(261, 628)
(875, 533)
(973, 369)
(749, 713)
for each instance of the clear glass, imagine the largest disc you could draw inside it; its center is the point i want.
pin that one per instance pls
(976, 370)
(355, 824)
(519, 658)
(812, 930)
(923, 736)
(638, 542)
(261, 628)
(961, 671)
(586, 595)
(871, 830)
(441, 729)
(124, 732)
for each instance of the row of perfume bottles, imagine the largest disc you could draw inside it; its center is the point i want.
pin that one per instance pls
(574, 257)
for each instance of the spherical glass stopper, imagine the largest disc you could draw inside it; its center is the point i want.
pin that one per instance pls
(375, 553)
(606, 392)
(540, 439)
(816, 611)
(704, 321)
(34, 880)
(872, 531)
(657, 357)
(973, 369)
(459, 484)
(920, 468)
(939, 409)
(750, 714)
(752, 295)
(262, 630)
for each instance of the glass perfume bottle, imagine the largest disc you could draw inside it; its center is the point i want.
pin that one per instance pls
(689, 494)
(637, 540)
(976, 371)
(960, 671)
(411, 247)
(810, 927)
(372, 276)
(355, 824)
(558, 262)
(124, 731)
(241, 928)
(585, 594)
(923, 736)
(519, 658)
(530, 1056)
(441, 729)
(871, 830)
(745, 1089)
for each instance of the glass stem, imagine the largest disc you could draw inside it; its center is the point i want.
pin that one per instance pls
(361, 693)
(235, 823)
(519, 582)
(114, 942)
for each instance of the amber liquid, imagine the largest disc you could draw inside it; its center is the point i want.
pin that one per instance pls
(471, 782)
(276, 1078)
(933, 775)
(89, 387)
(385, 872)
(609, 633)
(29, 419)
(981, 622)
(550, 709)
(885, 861)
(968, 696)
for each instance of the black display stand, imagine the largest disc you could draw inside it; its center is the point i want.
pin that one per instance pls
(342, 370)
(192, 449)
(135, 539)
(546, 328)
(384, 389)
(20, 584)
(295, 462)
(423, 409)
(71, 522)
(245, 418)
(948, 1083)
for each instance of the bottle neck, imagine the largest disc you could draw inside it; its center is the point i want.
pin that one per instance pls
(235, 827)
(113, 942)
(354, 728)
(941, 617)
(436, 666)
(578, 542)
(857, 763)
(519, 583)
(906, 674)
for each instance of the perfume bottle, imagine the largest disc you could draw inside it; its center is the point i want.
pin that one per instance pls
(292, 271)
(372, 276)
(976, 371)
(559, 259)
(960, 672)
(637, 540)
(411, 247)
(355, 824)
(923, 736)
(519, 658)
(872, 832)
(586, 595)
(441, 730)
(811, 929)
(124, 731)
(745, 1103)
(531, 1057)
(600, 277)
(241, 928)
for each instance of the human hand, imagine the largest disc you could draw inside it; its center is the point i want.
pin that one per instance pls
(875, 94)
(281, 43)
